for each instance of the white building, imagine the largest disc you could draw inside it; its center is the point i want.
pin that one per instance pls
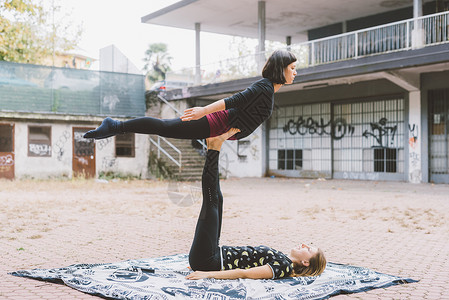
(371, 99)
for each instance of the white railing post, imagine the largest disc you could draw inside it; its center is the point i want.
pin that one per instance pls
(161, 149)
(408, 35)
(312, 63)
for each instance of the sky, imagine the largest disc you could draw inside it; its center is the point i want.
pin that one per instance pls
(107, 22)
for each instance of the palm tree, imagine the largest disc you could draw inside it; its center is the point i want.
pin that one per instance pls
(157, 61)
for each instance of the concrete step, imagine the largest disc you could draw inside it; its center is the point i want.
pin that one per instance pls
(192, 161)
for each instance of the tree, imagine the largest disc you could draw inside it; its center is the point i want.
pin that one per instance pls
(30, 32)
(157, 62)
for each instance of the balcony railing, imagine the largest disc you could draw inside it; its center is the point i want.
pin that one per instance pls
(399, 36)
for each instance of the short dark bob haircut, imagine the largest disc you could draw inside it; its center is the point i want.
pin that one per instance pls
(275, 65)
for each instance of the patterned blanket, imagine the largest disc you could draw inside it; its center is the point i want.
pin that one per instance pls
(164, 278)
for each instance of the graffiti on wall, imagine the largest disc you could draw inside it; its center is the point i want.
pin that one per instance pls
(415, 173)
(6, 161)
(415, 158)
(247, 148)
(337, 129)
(110, 101)
(413, 135)
(103, 143)
(40, 149)
(82, 160)
(58, 147)
(83, 147)
(109, 162)
(380, 131)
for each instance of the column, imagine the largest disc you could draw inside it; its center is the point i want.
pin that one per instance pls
(197, 54)
(417, 32)
(261, 34)
(414, 138)
(288, 41)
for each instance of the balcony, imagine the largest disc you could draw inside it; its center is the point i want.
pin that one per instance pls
(404, 35)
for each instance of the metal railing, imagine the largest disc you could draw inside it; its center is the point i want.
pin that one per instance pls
(398, 36)
(161, 149)
(179, 114)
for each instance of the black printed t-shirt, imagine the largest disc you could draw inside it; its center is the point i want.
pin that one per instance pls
(249, 257)
(251, 107)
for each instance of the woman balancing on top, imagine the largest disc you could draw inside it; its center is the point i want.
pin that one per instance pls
(245, 110)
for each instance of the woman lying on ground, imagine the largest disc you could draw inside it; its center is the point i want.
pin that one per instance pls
(209, 260)
(245, 110)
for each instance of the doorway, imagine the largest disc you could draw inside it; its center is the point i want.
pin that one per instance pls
(439, 135)
(83, 161)
(7, 161)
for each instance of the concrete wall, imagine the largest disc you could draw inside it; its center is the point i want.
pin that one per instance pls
(107, 161)
(59, 164)
(243, 158)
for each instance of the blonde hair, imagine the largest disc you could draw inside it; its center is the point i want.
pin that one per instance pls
(316, 266)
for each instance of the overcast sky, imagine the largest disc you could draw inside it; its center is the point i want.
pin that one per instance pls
(109, 22)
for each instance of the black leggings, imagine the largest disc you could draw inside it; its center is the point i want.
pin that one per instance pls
(170, 128)
(205, 253)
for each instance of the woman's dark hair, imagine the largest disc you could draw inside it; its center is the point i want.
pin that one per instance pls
(275, 65)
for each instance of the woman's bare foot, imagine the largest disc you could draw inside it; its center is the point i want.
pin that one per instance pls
(215, 143)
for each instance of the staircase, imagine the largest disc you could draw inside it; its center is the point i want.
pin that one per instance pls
(192, 161)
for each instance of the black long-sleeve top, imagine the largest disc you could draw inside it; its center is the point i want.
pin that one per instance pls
(251, 107)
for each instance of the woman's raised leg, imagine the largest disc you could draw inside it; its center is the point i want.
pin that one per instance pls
(171, 128)
(205, 251)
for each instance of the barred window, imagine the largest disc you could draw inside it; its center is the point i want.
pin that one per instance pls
(290, 159)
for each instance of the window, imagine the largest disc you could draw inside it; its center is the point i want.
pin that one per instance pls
(6, 142)
(290, 159)
(125, 145)
(39, 141)
(385, 160)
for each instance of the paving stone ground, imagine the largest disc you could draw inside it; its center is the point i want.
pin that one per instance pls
(392, 227)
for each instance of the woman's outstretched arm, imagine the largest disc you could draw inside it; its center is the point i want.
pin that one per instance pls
(262, 272)
(196, 113)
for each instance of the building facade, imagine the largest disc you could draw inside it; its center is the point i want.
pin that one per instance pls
(370, 101)
(44, 112)
(371, 127)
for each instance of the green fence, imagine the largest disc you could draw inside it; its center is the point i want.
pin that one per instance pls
(41, 89)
